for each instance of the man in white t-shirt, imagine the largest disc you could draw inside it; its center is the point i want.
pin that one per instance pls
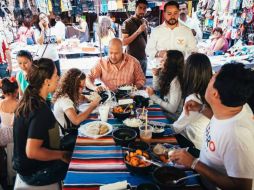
(60, 27)
(170, 35)
(226, 158)
(189, 22)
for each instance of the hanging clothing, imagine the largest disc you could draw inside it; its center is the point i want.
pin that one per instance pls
(131, 5)
(65, 5)
(119, 4)
(247, 3)
(104, 6)
(43, 6)
(112, 5)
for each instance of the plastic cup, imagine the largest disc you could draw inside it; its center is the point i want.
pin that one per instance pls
(140, 114)
(145, 133)
(103, 111)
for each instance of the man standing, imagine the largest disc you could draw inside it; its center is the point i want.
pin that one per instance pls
(134, 32)
(60, 27)
(118, 70)
(5, 58)
(226, 158)
(170, 35)
(189, 22)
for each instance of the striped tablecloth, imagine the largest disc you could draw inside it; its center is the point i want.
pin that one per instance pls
(97, 162)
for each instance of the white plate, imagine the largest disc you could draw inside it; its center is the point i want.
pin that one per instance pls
(84, 129)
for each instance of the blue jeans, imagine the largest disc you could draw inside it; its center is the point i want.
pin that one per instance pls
(3, 70)
(53, 173)
(143, 63)
(57, 64)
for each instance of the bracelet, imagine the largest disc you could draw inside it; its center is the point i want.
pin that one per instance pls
(202, 108)
(194, 163)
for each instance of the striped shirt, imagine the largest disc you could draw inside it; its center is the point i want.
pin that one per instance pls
(129, 73)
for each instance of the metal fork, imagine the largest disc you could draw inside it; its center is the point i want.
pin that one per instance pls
(150, 161)
(183, 178)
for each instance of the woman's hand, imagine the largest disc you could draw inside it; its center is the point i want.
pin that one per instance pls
(96, 101)
(192, 106)
(150, 91)
(66, 157)
(155, 71)
(41, 24)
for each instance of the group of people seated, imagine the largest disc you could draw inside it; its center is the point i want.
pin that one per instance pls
(210, 113)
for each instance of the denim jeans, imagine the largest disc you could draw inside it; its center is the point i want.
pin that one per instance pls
(57, 64)
(3, 71)
(143, 63)
(55, 172)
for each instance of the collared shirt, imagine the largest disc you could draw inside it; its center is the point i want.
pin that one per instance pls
(163, 38)
(4, 47)
(193, 24)
(130, 72)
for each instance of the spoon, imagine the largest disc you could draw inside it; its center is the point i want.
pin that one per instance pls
(183, 178)
(150, 161)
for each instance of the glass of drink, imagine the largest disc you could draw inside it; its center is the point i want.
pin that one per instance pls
(145, 133)
(141, 113)
(103, 111)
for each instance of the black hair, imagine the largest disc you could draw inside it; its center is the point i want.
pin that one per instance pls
(41, 70)
(235, 84)
(173, 67)
(141, 2)
(197, 74)
(26, 54)
(9, 85)
(171, 3)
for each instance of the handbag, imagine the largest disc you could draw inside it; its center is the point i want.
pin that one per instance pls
(68, 141)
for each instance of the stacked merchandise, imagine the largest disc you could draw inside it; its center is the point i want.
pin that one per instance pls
(235, 17)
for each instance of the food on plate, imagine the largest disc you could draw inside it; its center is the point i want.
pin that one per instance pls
(133, 122)
(99, 129)
(118, 109)
(132, 159)
(157, 129)
(127, 87)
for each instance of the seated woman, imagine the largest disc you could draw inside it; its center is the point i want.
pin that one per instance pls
(219, 43)
(67, 98)
(168, 81)
(191, 128)
(37, 157)
(7, 108)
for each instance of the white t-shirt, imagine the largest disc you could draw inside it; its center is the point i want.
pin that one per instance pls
(50, 38)
(60, 29)
(192, 126)
(193, 24)
(228, 146)
(163, 38)
(60, 106)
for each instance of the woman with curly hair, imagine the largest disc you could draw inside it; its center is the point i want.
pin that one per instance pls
(168, 80)
(67, 98)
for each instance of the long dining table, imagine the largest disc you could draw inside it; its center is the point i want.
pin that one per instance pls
(97, 162)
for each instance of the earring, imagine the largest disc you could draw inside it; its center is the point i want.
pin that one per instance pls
(48, 84)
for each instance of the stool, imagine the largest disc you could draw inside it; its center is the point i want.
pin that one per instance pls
(21, 185)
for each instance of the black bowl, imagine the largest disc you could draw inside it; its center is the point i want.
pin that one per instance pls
(141, 101)
(136, 169)
(123, 115)
(123, 136)
(165, 175)
(139, 145)
(147, 186)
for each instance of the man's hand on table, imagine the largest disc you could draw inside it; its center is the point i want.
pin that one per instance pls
(182, 157)
(149, 91)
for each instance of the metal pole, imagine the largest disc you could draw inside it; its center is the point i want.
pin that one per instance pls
(98, 26)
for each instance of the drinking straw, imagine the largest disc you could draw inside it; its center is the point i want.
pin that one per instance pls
(146, 124)
(143, 110)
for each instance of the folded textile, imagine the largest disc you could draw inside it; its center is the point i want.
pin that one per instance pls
(122, 185)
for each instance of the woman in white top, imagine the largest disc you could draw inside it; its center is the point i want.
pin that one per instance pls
(191, 128)
(67, 98)
(48, 40)
(168, 80)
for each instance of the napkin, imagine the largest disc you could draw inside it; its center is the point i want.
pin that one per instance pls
(121, 185)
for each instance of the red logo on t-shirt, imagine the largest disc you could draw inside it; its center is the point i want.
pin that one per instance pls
(212, 146)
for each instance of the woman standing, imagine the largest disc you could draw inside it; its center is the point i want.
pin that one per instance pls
(37, 158)
(26, 32)
(168, 80)
(48, 41)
